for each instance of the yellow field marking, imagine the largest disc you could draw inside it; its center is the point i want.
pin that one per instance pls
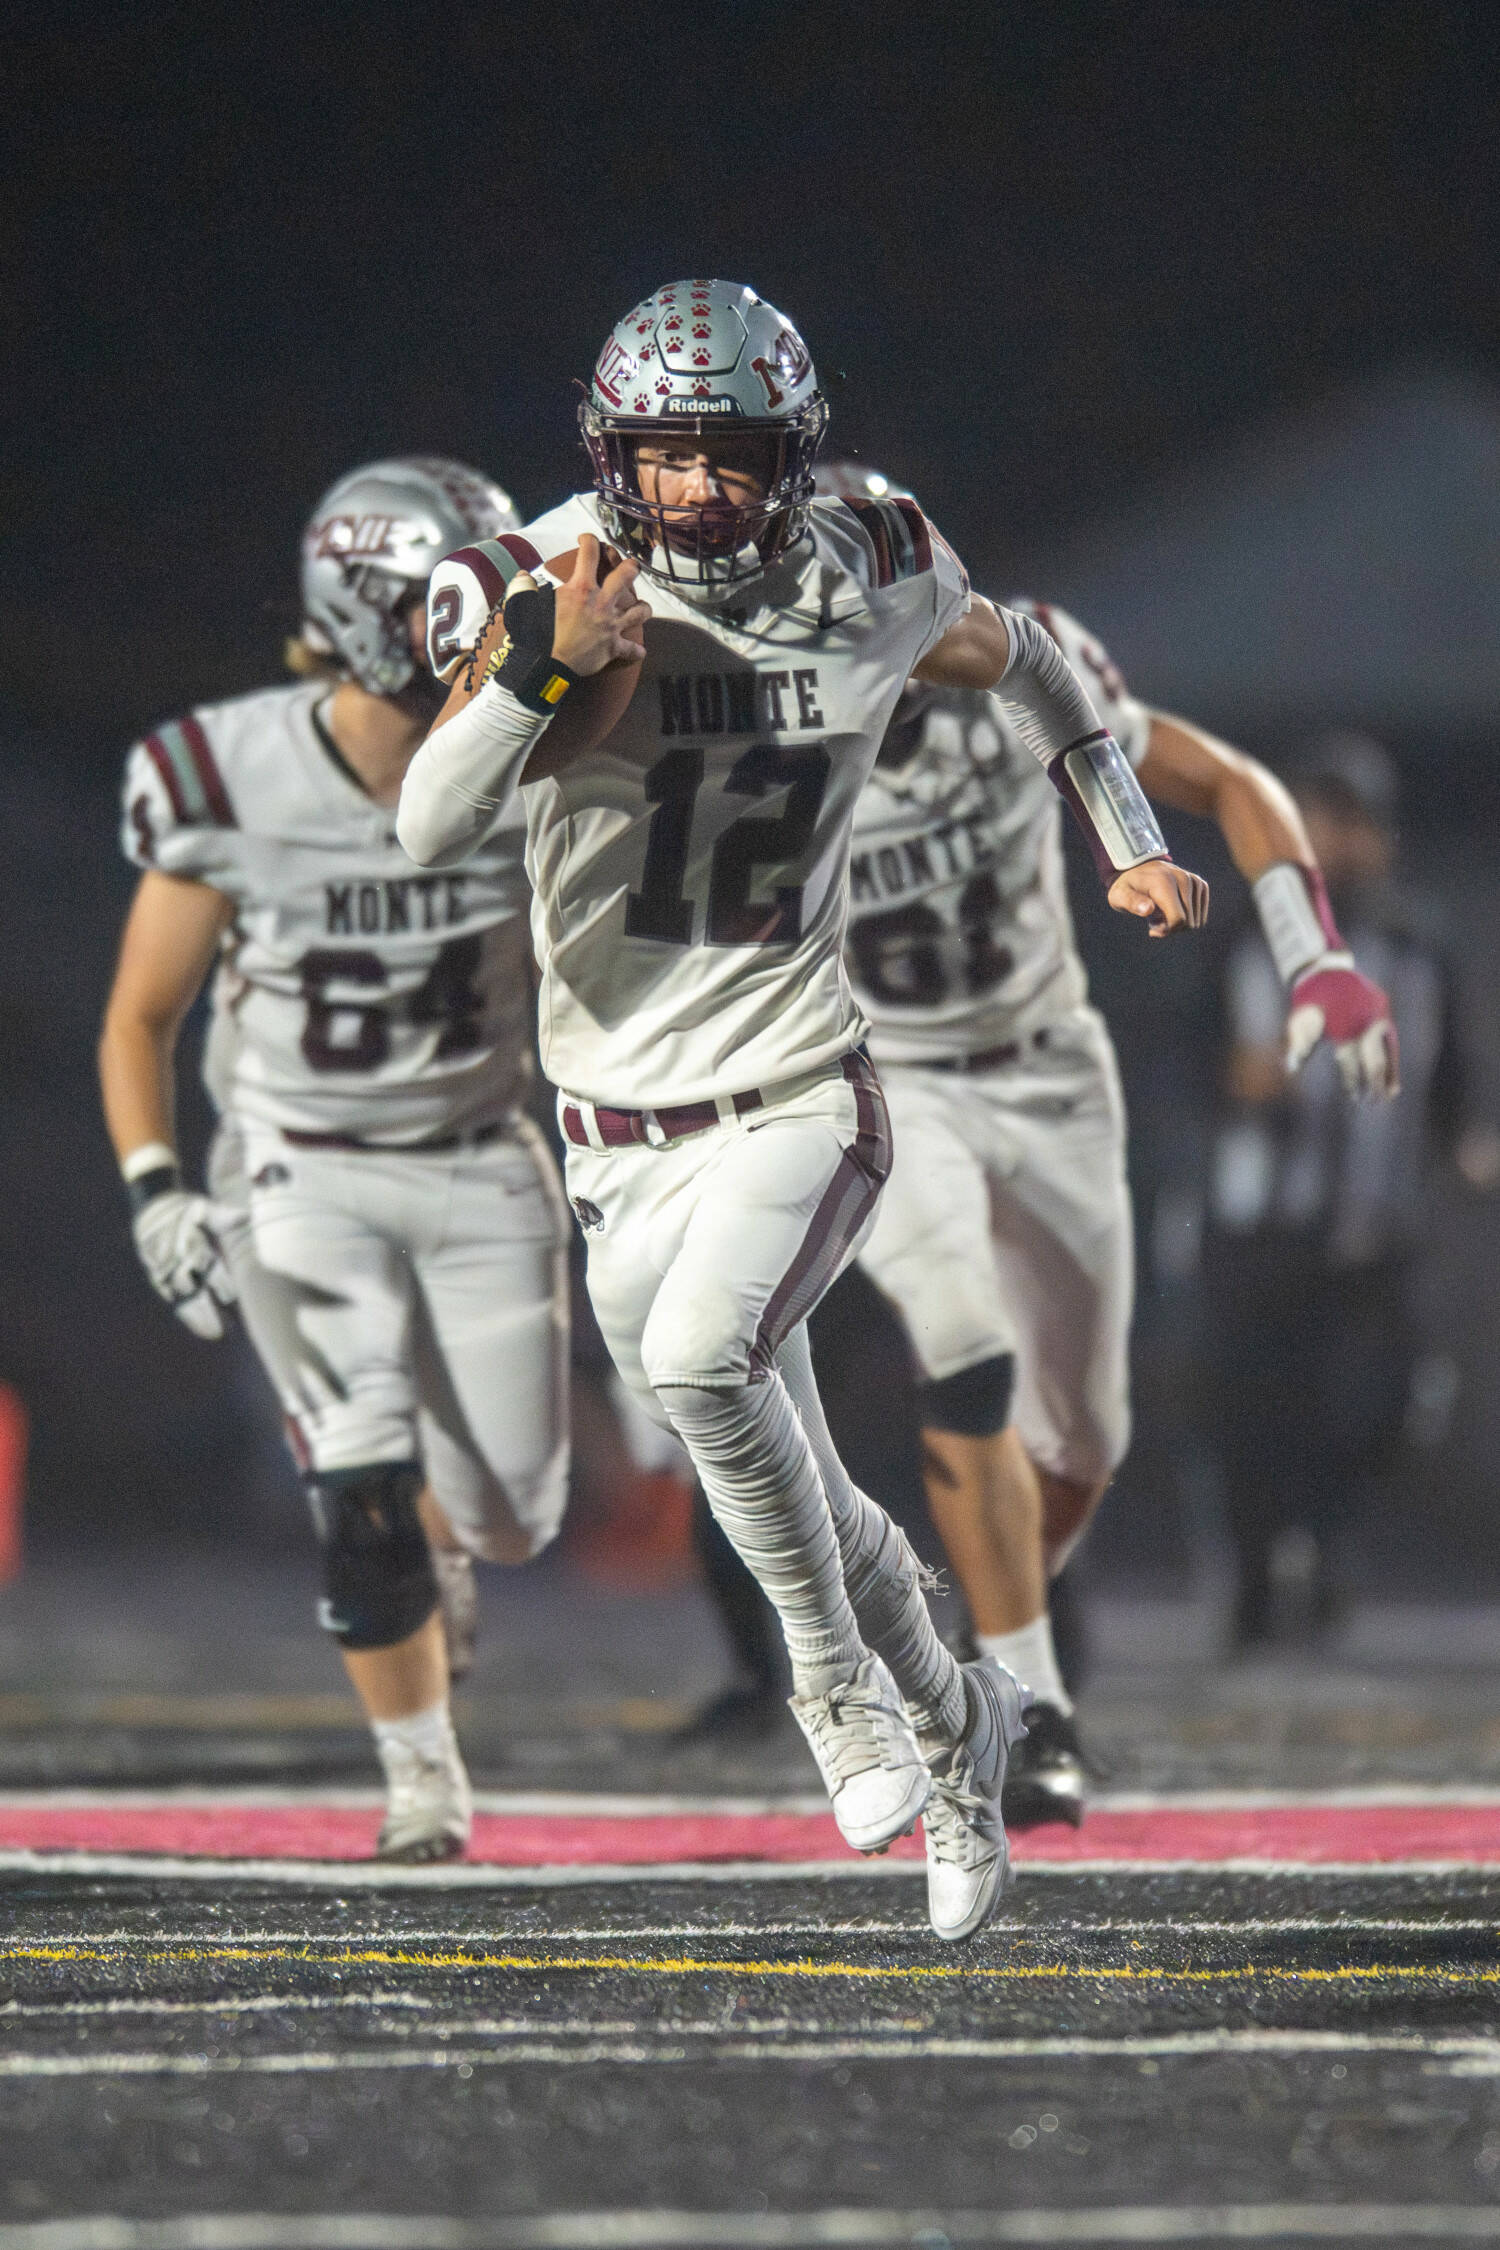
(687, 1965)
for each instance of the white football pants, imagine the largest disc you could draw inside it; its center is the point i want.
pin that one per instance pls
(1006, 1227)
(411, 1306)
(705, 1257)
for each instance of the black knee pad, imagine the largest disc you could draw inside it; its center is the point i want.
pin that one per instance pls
(973, 1403)
(378, 1582)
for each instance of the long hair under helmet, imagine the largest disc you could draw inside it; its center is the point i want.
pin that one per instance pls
(701, 358)
(371, 544)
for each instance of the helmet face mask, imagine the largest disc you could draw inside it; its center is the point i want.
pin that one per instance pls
(370, 619)
(703, 548)
(709, 371)
(369, 549)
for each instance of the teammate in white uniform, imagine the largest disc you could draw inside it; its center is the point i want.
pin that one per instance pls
(727, 1136)
(1004, 1238)
(390, 1221)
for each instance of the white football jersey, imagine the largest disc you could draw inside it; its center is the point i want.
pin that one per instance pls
(960, 938)
(690, 875)
(355, 994)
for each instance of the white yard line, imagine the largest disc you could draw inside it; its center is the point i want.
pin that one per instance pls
(770, 2230)
(1331, 1925)
(585, 1804)
(374, 1875)
(364, 1874)
(494, 1933)
(247, 2004)
(599, 2044)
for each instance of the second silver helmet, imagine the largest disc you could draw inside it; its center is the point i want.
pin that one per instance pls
(370, 546)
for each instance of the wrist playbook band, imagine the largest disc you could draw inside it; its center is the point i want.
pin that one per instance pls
(149, 1171)
(1094, 780)
(1049, 706)
(1292, 902)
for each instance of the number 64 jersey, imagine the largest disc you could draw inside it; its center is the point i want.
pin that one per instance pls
(369, 999)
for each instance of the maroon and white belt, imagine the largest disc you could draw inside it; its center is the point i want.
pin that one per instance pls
(618, 1128)
(476, 1136)
(987, 1058)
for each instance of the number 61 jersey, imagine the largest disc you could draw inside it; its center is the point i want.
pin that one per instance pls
(690, 873)
(369, 998)
(960, 937)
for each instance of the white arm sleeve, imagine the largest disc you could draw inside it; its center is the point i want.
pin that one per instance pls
(1044, 695)
(464, 776)
(1126, 717)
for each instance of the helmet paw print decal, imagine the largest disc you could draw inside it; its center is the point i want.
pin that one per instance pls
(703, 352)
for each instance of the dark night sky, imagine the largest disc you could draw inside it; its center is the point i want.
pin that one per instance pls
(1039, 251)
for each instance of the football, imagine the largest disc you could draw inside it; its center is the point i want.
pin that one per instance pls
(589, 711)
(595, 707)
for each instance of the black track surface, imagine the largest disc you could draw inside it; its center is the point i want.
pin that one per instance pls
(1308, 2044)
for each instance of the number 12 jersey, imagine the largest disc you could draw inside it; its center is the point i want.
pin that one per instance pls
(367, 997)
(690, 874)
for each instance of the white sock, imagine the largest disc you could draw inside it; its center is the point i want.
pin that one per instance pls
(1028, 1652)
(426, 1736)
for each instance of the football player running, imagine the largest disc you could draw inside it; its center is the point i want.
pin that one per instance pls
(727, 1137)
(390, 1221)
(1004, 1238)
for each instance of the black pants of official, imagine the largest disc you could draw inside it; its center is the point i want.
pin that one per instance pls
(1310, 1367)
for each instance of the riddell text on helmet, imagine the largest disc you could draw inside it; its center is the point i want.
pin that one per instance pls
(692, 404)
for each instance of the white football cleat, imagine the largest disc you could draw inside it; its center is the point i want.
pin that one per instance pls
(429, 1808)
(868, 1756)
(968, 1860)
(458, 1599)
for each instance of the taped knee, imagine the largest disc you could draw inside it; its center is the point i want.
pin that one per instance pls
(973, 1403)
(378, 1582)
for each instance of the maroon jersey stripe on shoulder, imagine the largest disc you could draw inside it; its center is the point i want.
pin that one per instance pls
(867, 514)
(520, 550)
(495, 563)
(485, 568)
(157, 751)
(208, 773)
(916, 525)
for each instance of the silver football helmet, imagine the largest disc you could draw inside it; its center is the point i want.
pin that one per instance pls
(370, 546)
(700, 358)
(846, 479)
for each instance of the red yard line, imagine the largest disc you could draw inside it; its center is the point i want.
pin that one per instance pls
(1307, 1834)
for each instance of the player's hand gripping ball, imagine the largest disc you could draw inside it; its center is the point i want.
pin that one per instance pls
(591, 622)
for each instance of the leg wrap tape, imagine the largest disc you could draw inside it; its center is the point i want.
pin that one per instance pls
(757, 1469)
(881, 1574)
(378, 1583)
